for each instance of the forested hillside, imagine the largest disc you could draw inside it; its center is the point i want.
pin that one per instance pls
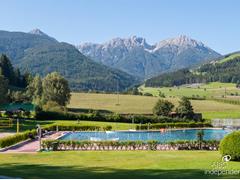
(38, 53)
(223, 70)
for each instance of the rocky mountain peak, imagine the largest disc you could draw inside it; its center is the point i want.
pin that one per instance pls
(135, 56)
(37, 32)
(180, 41)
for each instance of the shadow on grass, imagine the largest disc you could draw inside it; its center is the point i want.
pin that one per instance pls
(36, 171)
(82, 110)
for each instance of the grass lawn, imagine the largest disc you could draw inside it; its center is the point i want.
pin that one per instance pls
(31, 124)
(140, 164)
(144, 104)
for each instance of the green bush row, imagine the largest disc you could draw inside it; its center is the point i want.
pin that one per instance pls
(96, 116)
(172, 125)
(84, 145)
(76, 128)
(11, 140)
(57, 145)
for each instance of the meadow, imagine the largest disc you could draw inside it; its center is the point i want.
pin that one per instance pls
(110, 164)
(134, 104)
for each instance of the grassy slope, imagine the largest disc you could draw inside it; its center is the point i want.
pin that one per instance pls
(229, 58)
(148, 164)
(215, 89)
(144, 104)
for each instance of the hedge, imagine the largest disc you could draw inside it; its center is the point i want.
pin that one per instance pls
(96, 116)
(11, 140)
(172, 125)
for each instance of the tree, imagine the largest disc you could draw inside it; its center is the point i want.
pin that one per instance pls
(55, 88)
(185, 107)
(34, 90)
(18, 96)
(3, 90)
(238, 84)
(163, 108)
(7, 69)
(161, 94)
(200, 135)
(135, 91)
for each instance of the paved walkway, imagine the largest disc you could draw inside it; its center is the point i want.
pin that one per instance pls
(30, 147)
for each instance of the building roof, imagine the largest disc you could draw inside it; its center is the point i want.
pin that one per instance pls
(17, 106)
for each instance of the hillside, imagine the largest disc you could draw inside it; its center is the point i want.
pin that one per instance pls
(224, 70)
(135, 56)
(36, 52)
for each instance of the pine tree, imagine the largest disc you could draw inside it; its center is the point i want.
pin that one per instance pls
(3, 90)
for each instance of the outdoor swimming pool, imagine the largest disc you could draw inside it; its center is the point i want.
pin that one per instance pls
(170, 135)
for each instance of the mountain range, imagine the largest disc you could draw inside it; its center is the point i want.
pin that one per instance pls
(138, 58)
(38, 53)
(115, 65)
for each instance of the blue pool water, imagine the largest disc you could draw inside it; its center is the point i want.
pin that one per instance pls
(171, 135)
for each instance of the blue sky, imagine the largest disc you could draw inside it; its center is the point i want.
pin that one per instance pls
(214, 22)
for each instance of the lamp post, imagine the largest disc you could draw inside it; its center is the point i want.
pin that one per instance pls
(39, 131)
(17, 125)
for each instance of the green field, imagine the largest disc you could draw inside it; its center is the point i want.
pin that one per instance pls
(103, 164)
(143, 104)
(231, 57)
(215, 89)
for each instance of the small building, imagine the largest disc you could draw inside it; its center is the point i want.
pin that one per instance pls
(16, 108)
(13, 107)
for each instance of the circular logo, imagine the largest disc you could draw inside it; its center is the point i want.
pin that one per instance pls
(226, 158)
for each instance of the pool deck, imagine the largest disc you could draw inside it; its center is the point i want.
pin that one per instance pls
(30, 146)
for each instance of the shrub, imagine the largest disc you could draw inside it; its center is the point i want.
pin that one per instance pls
(107, 128)
(173, 125)
(72, 128)
(147, 94)
(230, 145)
(11, 140)
(163, 108)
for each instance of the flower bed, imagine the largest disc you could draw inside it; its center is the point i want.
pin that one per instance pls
(62, 145)
(173, 125)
